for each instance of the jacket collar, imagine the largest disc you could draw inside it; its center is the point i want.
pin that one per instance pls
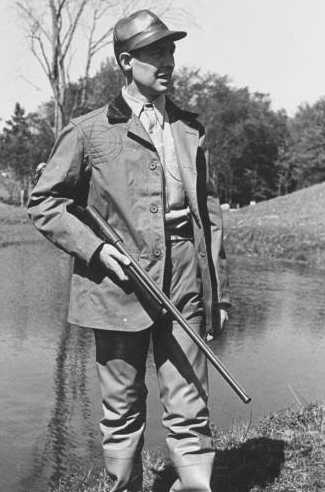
(120, 112)
(176, 113)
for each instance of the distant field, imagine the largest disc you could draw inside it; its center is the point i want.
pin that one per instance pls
(290, 227)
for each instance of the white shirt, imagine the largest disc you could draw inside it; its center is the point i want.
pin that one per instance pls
(162, 138)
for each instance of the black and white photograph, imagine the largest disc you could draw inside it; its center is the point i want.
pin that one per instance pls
(162, 246)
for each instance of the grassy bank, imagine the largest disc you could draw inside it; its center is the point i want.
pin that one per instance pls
(282, 453)
(11, 215)
(15, 226)
(291, 227)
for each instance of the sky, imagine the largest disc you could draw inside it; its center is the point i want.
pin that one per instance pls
(270, 46)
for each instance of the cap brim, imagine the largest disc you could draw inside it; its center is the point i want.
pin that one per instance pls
(157, 36)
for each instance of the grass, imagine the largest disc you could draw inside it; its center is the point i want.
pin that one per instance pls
(290, 227)
(284, 452)
(11, 215)
(15, 227)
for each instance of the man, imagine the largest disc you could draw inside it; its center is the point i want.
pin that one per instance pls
(140, 163)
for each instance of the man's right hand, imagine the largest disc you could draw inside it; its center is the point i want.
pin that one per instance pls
(113, 260)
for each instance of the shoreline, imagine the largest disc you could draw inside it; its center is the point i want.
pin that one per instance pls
(298, 247)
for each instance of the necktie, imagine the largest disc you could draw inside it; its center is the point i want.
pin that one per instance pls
(150, 119)
(152, 125)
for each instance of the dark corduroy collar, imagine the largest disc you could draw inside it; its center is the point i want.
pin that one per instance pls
(119, 112)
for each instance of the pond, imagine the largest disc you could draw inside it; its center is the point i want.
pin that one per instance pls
(50, 405)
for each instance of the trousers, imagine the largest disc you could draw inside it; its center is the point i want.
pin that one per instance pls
(183, 385)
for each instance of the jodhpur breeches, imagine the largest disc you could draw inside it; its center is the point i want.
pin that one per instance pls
(182, 378)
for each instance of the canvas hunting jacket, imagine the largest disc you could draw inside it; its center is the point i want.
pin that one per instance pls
(106, 159)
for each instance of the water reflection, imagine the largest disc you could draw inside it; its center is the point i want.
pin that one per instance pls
(276, 334)
(71, 434)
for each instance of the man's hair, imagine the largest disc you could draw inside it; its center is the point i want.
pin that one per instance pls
(117, 52)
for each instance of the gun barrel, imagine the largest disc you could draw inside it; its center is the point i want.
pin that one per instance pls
(145, 281)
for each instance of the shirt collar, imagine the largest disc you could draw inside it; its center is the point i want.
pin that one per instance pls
(136, 104)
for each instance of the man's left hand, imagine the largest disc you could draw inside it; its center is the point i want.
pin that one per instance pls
(223, 317)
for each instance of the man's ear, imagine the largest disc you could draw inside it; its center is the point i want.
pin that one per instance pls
(125, 60)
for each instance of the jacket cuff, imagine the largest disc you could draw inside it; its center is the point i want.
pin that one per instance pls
(224, 304)
(94, 258)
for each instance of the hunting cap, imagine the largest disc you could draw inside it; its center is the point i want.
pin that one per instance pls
(140, 29)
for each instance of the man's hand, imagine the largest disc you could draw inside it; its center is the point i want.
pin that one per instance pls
(113, 260)
(223, 317)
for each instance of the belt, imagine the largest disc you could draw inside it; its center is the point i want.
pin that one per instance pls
(179, 234)
(174, 238)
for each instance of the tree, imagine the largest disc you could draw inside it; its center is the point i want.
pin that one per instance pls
(243, 134)
(16, 151)
(25, 141)
(304, 156)
(102, 88)
(57, 28)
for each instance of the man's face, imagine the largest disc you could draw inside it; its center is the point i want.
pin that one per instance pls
(152, 67)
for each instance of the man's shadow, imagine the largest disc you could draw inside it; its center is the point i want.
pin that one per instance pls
(257, 462)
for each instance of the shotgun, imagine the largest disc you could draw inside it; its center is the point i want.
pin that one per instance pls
(151, 288)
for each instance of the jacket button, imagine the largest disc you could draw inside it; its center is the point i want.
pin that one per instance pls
(157, 252)
(153, 209)
(153, 165)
